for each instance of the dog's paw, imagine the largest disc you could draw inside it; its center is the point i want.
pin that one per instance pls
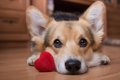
(104, 60)
(31, 60)
(99, 59)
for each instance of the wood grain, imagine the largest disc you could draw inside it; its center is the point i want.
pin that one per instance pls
(113, 20)
(13, 67)
(41, 4)
(13, 4)
(12, 21)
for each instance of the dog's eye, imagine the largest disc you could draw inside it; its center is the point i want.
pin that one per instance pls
(57, 43)
(83, 42)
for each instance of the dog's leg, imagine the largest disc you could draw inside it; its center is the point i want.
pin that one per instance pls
(35, 54)
(32, 59)
(98, 59)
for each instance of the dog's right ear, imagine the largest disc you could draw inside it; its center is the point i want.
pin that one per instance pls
(36, 21)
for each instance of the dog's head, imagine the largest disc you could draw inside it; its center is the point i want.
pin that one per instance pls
(70, 42)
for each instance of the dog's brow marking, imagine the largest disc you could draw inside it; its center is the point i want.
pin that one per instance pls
(47, 36)
(46, 39)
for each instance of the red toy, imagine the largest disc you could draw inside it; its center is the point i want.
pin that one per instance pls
(45, 63)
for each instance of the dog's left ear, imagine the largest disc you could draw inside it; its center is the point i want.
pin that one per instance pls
(95, 16)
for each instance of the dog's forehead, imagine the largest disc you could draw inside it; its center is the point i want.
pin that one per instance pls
(68, 28)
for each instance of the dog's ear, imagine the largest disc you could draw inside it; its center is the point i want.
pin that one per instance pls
(36, 21)
(95, 16)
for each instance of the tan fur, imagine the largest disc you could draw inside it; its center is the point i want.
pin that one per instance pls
(72, 32)
(89, 26)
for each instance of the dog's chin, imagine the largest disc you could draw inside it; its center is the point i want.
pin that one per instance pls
(64, 71)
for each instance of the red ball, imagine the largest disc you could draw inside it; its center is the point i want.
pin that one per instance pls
(45, 63)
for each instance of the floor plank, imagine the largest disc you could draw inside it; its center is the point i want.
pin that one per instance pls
(13, 67)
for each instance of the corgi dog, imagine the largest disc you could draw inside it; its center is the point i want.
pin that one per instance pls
(74, 44)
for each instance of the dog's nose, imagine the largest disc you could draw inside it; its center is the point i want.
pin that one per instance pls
(73, 65)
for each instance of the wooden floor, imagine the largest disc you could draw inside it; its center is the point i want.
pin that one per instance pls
(13, 67)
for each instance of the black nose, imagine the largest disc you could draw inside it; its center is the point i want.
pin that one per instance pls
(73, 65)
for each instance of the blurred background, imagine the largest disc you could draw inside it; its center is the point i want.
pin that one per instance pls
(13, 30)
(15, 39)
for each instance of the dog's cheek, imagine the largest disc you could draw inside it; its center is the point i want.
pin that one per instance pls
(51, 50)
(56, 50)
(88, 54)
(40, 47)
(39, 43)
